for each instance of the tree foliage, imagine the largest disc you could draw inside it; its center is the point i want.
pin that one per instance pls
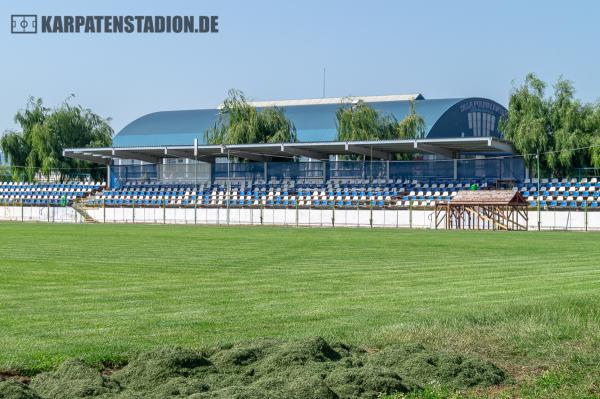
(241, 123)
(412, 126)
(45, 132)
(361, 122)
(561, 128)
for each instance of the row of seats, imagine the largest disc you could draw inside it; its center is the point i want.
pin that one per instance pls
(332, 193)
(66, 185)
(44, 194)
(425, 182)
(566, 203)
(282, 201)
(561, 193)
(357, 192)
(572, 180)
(351, 193)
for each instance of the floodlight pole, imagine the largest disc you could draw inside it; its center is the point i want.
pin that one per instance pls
(539, 221)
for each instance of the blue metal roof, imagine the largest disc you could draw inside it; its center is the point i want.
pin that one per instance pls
(466, 117)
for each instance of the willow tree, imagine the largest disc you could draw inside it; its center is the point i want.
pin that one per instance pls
(241, 123)
(412, 126)
(526, 123)
(559, 127)
(570, 129)
(37, 147)
(361, 122)
(595, 152)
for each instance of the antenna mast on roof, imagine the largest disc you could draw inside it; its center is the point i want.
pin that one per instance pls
(323, 82)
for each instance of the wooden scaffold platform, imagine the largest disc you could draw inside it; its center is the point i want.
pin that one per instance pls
(483, 210)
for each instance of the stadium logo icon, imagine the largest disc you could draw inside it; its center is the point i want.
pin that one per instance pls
(23, 23)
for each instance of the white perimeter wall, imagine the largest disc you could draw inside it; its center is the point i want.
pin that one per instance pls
(551, 220)
(40, 214)
(559, 220)
(286, 217)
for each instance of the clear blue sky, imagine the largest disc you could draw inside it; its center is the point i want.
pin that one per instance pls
(277, 50)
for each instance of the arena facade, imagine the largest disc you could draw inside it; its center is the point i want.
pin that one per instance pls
(315, 119)
(455, 130)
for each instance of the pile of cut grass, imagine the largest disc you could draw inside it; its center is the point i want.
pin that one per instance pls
(300, 369)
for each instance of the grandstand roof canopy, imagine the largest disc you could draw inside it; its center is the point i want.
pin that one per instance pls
(315, 119)
(452, 126)
(448, 147)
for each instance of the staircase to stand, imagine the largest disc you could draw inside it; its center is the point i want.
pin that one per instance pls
(78, 207)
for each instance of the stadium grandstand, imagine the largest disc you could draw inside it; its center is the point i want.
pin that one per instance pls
(161, 160)
(455, 130)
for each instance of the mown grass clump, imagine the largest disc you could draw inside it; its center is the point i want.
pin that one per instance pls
(365, 382)
(159, 366)
(422, 367)
(299, 369)
(73, 379)
(11, 389)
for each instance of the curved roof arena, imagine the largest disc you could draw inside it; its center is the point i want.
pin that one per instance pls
(315, 119)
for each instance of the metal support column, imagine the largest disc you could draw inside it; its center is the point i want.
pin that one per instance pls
(108, 185)
(212, 170)
(266, 171)
(455, 163)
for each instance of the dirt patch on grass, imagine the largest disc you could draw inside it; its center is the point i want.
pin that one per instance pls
(8, 375)
(300, 369)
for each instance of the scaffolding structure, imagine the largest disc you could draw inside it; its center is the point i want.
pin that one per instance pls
(483, 210)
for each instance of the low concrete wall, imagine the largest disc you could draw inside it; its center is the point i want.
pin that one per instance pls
(565, 220)
(392, 218)
(269, 216)
(40, 214)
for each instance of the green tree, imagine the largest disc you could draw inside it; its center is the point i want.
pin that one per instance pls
(361, 122)
(560, 127)
(595, 152)
(526, 124)
(570, 129)
(412, 126)
(241, 123)
(45, 132)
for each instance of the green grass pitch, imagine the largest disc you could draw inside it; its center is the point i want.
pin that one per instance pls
(528, 301)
